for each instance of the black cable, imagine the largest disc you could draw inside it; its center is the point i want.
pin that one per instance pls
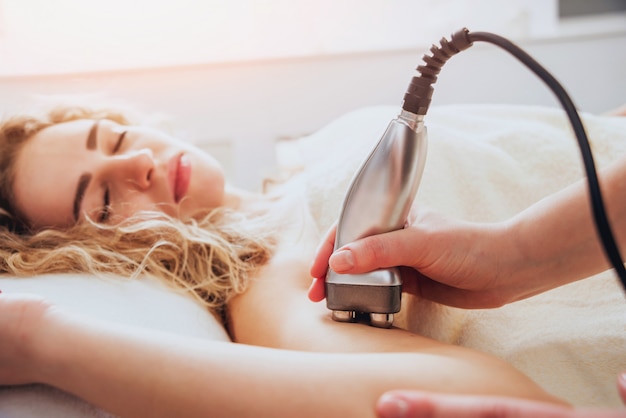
(597, 203)
(418, 97)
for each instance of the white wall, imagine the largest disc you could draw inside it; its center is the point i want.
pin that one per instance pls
(242, 108)
(61, 36)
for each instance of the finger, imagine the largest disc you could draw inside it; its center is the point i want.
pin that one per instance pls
(317, 291)
(319, 266)
(415, 283)
(448, 295)
(377, 251)
(422, 404)
(410, 280)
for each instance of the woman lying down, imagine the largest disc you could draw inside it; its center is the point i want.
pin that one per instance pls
(86, 191)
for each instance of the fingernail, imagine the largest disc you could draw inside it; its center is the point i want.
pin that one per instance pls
(622, 378)
(390, 406)
(342, 260)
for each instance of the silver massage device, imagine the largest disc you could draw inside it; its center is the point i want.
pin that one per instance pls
(378, 200)
(381, 193)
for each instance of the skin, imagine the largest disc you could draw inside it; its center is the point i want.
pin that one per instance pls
(278, 333)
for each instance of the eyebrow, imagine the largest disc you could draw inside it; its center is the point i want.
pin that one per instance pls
(92, 137)
(83, 182)
(85, 178)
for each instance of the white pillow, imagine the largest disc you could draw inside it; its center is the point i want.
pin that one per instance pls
(142, 302)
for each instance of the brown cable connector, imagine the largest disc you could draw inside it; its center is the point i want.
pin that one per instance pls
(419, 93)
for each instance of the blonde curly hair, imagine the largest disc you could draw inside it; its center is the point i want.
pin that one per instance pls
(211, 257)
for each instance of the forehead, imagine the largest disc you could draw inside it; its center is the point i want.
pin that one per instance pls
(64, 131)
(47, 171)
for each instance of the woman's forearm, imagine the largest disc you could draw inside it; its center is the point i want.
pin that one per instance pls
(556, 238)
(138, 373)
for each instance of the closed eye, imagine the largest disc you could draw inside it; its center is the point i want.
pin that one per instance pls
(106, 209)
(120, 141)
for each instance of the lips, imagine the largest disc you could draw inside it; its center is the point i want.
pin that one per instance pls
(179, 175)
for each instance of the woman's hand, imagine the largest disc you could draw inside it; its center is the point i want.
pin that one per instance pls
(22, 317)
(452, 262)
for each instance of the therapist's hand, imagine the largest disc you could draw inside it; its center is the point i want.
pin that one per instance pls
(409, 404)
(452, 262)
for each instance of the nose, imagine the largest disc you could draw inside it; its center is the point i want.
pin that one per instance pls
(132, 168)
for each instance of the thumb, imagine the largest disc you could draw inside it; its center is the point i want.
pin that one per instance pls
(377, 251)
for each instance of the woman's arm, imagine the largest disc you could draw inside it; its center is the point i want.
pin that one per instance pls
(137, 373)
